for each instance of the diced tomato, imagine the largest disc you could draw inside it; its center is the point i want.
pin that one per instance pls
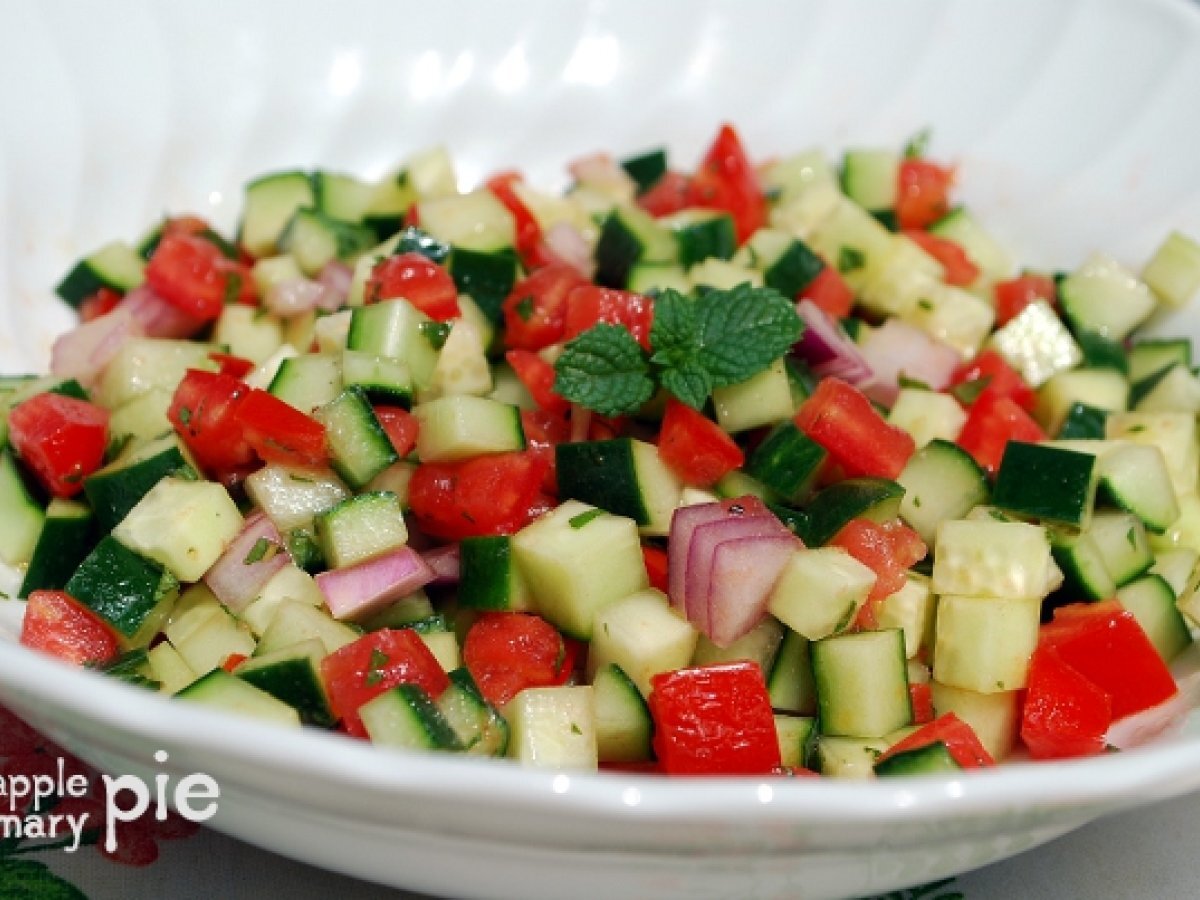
(1002, 379)
(509, 652)
(373, 664)
(923, 193)
(538, 377)
(920, 696)
(991, 423)
(960, 270)
(543, 432)
(1014, 295)
(61, 439)
(589, 305)
(726, 180)
(98, 304)
(401, 427)
(655, 559)
(670, 194)
(1065, 714)
(232, 365)
(280, 433)
(417, 279)
(714, 720)
(841, 419)
(204, 413)
(233, 660)
(830, 292)
(529, 233)
(959, 737)
(694, 447)
(58, 624)
(535, 311)
(1104, 643)
(191, 273)
(889, 550)
(495, 494)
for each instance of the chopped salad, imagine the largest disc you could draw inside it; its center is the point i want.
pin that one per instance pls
(758, 468)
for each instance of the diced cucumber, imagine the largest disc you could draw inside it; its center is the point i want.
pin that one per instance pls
(295, 621)
(308, 381)
(1176, 566)
(722, 275)
(141, 419)
(227, 692)
(489, 576)
(143, 364)
(476, 221)
(787, 264)
(871, 178)
(993, 717)
(270, 203)
(431, 173)
(930, 759)
(116, 266)
(407, 718)
(558, 554)
(953, 316)
(820, 592)
(462, 366)
(396, 329)
(479, 727)
(927, 416)
(911, 610)
(905, 276)
(291, 583)
(553, 728)
(629, 236)
(701, 234)
(984, 643)
(360, 528)
(292, 498)
(67, 536)
(1174, 389)
(1105, 297)
(1152, 602)
(1084, 571)
(245, 332)
(1121, 540)
(646, 278)
(126, 590)
(981, 247)
(21, 517)
(1174, 433)
(183, 525)
(877, 499)
(1105, 389)
(115, 489)
(762, 399)
(759, 645)
(941, 482)
(624, 476)
(359, 448)
(989, 558)
(646, 168)
(849, 757)
(461, 427)
(862, 683)
(643, 635)
(1047, 483)
(293, 675)
(168, 668)
(487, 277)
(783, 179)
(807, 209)
(796, 735)
(1037, 344)
(791, 683)
(1153, 354)
(787, 461)
(1173, 272)
(853, 241)
(341, 196)
(207, 635)
(623, 723)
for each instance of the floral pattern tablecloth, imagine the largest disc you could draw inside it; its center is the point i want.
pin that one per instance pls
(1148, 853)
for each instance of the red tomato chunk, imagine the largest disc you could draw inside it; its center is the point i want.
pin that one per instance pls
(509, 652)
(841, 419)
(62, 440)
(58, 624)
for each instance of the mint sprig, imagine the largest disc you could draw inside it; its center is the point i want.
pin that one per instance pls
(717, 339)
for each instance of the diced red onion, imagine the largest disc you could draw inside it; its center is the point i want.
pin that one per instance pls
(445, 562)
(84, 351)
(828, 350)
(336, 278)
(571, 247)
(684, 522)
(234, 580)
(361, 590)
(159, 318)
(293, 297)
(702, 552)
(743, 573)
(896, 348)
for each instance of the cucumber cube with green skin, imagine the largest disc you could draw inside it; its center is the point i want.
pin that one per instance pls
(554, 728)
(361, 527)
(227, 692)
(1152, 602)
(463, 426)
(116, 265)
(646, 168)
(850, 758)
(1083, 422)
(293, 675)
(993, 717)
(67, 536)
(116, 489)
(342, 196)
(559, 554)
(129, 592)
(270, 203)
(622, 475)
(628, 236)
(763, 399)
(489, 577)
(787, 461)
(877, 499)
(1173, 272)
(984, 643)
(1173, 433)
(310, 380)
(168, 668)
(795, 735)
(931, 759)
(820, 591)
(22, 522)
(295, 620)
(143, 364)
(623, 724)
(791, 682)
(480, 728)
(486, 276)
(991, 558)
(1047, 483)
(406, 717)
(359, 448)
(183, 525)
(642, 635)
(396, 329)
(315, 239)
(862, 683)
(702, 233)
(291, 498)
(475, 221)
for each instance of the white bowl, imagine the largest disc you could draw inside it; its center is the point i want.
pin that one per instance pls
(1074, 125)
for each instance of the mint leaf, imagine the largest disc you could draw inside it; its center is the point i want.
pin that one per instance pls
(743, 331)
(25, 878)
(690, 382)
(918, 144)
(605, 370)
